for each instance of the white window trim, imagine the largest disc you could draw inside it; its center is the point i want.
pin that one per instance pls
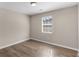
(45, 24)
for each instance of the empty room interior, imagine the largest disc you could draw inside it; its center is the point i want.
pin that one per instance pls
(39, 29)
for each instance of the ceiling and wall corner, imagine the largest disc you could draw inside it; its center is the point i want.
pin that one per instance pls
(26, 8)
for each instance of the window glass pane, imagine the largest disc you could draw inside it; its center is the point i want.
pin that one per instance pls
(47, 24)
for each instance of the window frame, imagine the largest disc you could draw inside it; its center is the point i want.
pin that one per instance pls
(46, 24)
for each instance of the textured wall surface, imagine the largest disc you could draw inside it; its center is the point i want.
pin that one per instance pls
(65, 30)
(14, 27)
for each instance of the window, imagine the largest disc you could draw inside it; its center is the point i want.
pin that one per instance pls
(47, 24)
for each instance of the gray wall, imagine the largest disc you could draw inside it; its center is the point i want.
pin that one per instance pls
(65, 30)
(14, 27)
(78, 29)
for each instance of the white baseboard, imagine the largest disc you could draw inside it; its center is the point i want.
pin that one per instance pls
(5, 46)
(55, 44)
(40, 41)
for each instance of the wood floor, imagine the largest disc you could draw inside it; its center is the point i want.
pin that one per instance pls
(33, 48)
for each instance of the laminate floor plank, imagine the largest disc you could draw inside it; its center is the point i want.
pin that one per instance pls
(32, 48)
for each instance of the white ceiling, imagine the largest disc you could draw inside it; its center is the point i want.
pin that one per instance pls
(26, 8)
